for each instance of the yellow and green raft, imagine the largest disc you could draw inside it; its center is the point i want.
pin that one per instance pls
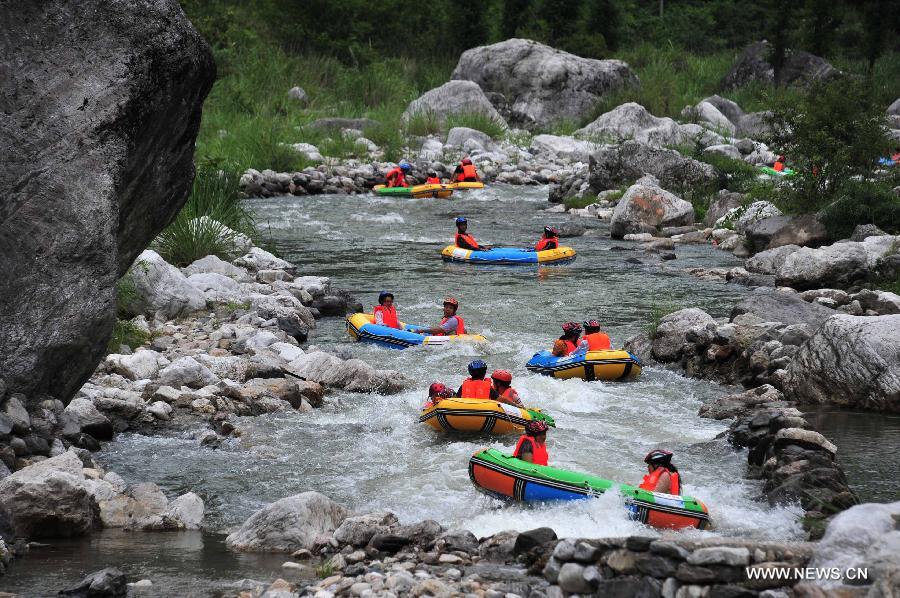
(416, 191)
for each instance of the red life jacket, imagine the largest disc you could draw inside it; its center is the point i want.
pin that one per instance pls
(539, 451)
(396, 178)
(432, 180)
(597, 341)
(651, 481)
(778, 166)
(469, 173)
(476, 389)
(460, 327)
(388, 315)
(570, 346)
(509, 396)
(467, 237)
(547, 243)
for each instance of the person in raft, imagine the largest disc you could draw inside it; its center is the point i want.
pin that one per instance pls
(532, 446)
(451, 323)
(385, 313)
(433, 179)
(568, 342)
(465, 172)
(779, 164)
(396, 177)
(463, 239)
(438, 392)
(476, 386)
(502, 383)
(548, 240)
(661, 476)
(594, 339)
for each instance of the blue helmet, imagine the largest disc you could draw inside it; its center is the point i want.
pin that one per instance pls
(384, 295)
(404, 166)
(461, 220)
(478, 367)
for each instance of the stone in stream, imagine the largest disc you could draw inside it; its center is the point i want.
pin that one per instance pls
(106, 583)
(357, 530)
(288, 524)
(646, 206)
(98, 159)
(81, 416)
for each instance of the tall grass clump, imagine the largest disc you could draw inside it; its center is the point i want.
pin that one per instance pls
(212, 222)
(479, 121)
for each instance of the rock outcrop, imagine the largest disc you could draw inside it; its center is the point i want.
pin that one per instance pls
(538, 86)
(646, 207)
(101, 108)
(839, 265)
(289, 524)
(615, 165)
(754, 65)
(453, 97)
(631, 121)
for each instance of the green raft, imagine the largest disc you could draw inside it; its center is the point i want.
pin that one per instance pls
(506, 477)
(772, 172)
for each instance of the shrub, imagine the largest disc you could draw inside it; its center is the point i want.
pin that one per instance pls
(210, 222)
(125, 332)
(862, 202)
(423, 123)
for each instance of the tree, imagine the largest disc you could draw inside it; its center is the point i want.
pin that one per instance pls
(468, 27)
(514, 14)
(604, 18)
(562, 18)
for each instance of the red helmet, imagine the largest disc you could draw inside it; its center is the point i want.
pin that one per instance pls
(591, 324)
(466, 160)
(658, 457)
(439, 390)
(571, 327)
(549, 230)
(451, 301)
(501, 376)
(533, 428)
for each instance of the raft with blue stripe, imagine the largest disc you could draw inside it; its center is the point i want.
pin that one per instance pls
(593, 365)
(507, 255)
(362, 327)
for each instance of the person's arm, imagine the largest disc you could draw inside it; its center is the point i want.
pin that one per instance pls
(559, 348)
(459, 391)
(379, 318)
(665, 483)
(462, 243)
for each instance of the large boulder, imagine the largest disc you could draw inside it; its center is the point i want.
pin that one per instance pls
(289, 524)
(753, 124)
(160, 289)
(469, 140)
(453, 97)
(851, 361)
(754, 65)
(562, 147)
(645, 207)
(101, 109)
(614, 165)
(542, 86)
(770, 260)
(805, 230)
(770, 305)
(353, 375)
(633, 121)
(724, 202)
(839, 265)
(671, 333)
(49, 499)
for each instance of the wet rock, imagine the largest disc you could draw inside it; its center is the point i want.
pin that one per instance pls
(106, 583)
(804, 438)
(720, 555)
(358, 530)
(81, 416)
(571, 579)
(533, 538)
(645, 207)
(459, 539)
(352, 375)
(851, 361)
(542, 85)
(672, 330)
(288, 524)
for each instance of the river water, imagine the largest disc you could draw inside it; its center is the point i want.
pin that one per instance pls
(369, 452)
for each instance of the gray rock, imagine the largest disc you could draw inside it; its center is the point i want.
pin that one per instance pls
(353, 375)
(710, 114)
(337, 124)
(457, 540)
(563, 147)
(720, 555)
(753, 65)
(216, 287)
(357, 530)
(186, 371)
(778, 231)
(298, 94)
(882, 302)
(851, 361)
(724, 202)
(106, 583)
(645, 207)
(864, 231)
(614, 165)
(98, 160)
(259, 259)
(536, 537)
(140, 365)
(542, 86)
(724, 149)
(571, 579)
(161, 289)
(215, 265)
(453, 97)
(469, 140)
(16, 415)
(753, 124)
(82, 416)
(188, 509)
(673, 328)
(288, 524)
(633, 121)
(744, 216)
(770, 260)
(775, 306)
(838, 265)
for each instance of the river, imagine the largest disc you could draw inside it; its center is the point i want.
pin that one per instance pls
(369, 452)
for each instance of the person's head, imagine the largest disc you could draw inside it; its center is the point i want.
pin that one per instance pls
(432, 174)
(781, 157)
(386, 298)
(502, 379)
(550, 232)
(537, 430)
(466, 161)
(477, 369)
(438, 390)
(462, 224)
(658, 458)
(450, 306)
(404, 166)
(591, 326)
(571, 329)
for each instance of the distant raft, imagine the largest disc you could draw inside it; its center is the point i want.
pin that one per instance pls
(362, 327)
(480, 416)
(508, 478)
(466, 185)
(772, 172)
(417, 191)
(507, 255)
(593, 365)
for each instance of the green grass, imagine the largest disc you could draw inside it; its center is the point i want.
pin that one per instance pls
(127, 333)
(577, 203)
(210, 221)
(657, 313)
(480, 122)
(424, 123)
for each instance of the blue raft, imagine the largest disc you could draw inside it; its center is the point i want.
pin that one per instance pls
(362, 328)
(507, 255)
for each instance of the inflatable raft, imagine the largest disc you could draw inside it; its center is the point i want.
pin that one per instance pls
(505, 477)
(507, 255)
(772, 172)
(466, 185)
(480, 415)
(362, 327)
(593, 365)
(417, 191)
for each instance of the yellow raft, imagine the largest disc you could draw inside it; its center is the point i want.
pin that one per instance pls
(479, 416)
(416, 191)
(463, 185)
(507, 255)
(362, 327)
(593, 365)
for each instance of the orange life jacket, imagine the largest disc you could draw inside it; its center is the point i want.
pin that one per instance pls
(597, 341)
(467, 237)
(432, 180)
(547, 243)
(396, 178)
(460, 327)
(539, 451)
(570, 346)
(651, 481)
(469, 173)
(778, 167)
(476, 389)
(509, 396)
(388, 315)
